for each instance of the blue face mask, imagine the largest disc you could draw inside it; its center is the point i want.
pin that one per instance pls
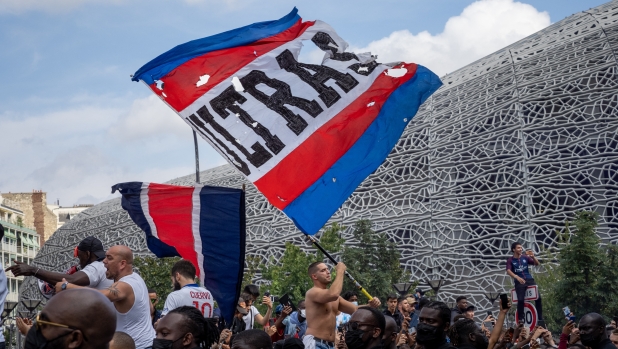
(355, 303)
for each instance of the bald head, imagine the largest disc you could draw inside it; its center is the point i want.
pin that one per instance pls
(75, 308)
(390, 333)
(122, 340)
(592, 329)
(123, 252)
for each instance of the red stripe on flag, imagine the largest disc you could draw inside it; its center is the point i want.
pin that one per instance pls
(180, 85)
(294, 174)
(171, 209)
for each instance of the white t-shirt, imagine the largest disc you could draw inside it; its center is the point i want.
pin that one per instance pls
(96, 274)
(250, 317)
(4, 291)
(136, 322)
(191, 295)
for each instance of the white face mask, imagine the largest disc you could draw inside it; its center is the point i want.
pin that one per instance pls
(302, 313)
(355, 303)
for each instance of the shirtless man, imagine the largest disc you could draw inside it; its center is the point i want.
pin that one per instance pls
(323, 303)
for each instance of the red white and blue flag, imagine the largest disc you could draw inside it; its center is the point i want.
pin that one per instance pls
(202, 224)
(305, 135)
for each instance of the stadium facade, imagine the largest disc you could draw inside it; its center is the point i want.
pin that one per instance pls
(505, 151)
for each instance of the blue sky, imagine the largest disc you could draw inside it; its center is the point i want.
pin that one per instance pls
(72, 123)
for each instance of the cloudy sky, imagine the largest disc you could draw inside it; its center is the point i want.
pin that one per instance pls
(72, 123)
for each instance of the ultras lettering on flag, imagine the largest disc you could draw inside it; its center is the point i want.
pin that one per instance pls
(306, 135)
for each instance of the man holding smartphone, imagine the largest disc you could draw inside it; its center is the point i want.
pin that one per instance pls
(517, 268)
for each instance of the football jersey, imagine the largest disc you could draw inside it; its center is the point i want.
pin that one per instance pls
(191, 295)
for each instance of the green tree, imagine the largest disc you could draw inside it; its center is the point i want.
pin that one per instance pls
(253, 266)
(156, 273)
(289, 274)
(374, 262)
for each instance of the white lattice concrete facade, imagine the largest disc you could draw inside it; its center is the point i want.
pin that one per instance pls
(506, 150)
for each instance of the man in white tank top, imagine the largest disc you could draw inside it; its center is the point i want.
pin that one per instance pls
(129, 295)
(187, 292)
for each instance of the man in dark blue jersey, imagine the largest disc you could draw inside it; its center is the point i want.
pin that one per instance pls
(517, 268)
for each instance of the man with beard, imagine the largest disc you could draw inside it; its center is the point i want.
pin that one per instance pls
(365, 329)
(67, 322)
(460, 307)
(592, 332)
(129, 295)
(90, 253)
(185, 328)
(465, 334)
(433, 324)
(186, 291)
(323, 303)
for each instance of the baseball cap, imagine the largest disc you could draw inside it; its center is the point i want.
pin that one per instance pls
(92, 244)
(471, 307)
(241, 310)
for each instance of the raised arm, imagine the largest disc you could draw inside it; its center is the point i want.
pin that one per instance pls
(263, 320)
(22, 269)
(497, 331)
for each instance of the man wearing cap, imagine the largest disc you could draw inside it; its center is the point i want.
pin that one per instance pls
(92, 274)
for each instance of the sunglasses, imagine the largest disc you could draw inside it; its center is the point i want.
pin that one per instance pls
(353, 326)
(38, 322)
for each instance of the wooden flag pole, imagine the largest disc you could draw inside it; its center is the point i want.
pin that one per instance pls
(360, 288)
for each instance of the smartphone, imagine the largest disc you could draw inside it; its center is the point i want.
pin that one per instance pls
(505, 300)
(566, 311)
(489, 313)
(412, 330)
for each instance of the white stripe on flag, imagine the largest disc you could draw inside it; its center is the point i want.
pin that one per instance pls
(197, 238)
(143, 198)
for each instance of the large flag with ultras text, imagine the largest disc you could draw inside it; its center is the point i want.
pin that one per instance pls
(306, 135)
(203, 224)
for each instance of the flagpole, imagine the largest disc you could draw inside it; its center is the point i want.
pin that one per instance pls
(197, 159)
(360, 288)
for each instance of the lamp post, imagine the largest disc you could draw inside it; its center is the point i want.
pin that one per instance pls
(403, 288)
(6, 315)
(491, 297)
(436, 285)
(30, 304)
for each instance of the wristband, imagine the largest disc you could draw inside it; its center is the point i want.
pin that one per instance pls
(37, 270)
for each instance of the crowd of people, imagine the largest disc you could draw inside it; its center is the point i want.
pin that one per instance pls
(104, 303)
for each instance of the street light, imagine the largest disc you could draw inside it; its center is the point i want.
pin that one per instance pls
(436, 285)
(8, 308)
(403, 288)
(492, 296)
(30, 304)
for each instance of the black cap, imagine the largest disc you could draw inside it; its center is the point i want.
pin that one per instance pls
(92, 244)
(470, 307)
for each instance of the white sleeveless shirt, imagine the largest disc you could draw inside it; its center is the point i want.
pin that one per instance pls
(136, 322)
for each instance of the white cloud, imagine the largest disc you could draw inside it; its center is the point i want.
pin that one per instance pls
(482, 28)
(149, 117)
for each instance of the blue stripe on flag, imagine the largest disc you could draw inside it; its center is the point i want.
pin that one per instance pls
(312, 209)
(222, 230)
(168, 61)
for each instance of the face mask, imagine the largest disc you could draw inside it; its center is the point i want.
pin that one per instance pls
(354, 339)
(355, 303)
(164, 343)
(36, 340)
(588, 339)
(428, 335)
(303, 313)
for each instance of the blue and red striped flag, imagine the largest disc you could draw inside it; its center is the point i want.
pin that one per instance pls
(202, 224)
(306, 135)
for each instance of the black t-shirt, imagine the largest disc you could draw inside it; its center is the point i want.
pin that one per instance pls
(605, 344)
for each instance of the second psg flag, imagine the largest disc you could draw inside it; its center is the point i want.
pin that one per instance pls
(203, 224)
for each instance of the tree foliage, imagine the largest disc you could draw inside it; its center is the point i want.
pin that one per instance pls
(156, 273)
(584, 277)
(289, 275)
(374, 262)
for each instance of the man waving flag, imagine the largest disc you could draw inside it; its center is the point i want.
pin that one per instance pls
(306, 135)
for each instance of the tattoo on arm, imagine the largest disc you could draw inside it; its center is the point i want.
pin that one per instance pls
(113, 290)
